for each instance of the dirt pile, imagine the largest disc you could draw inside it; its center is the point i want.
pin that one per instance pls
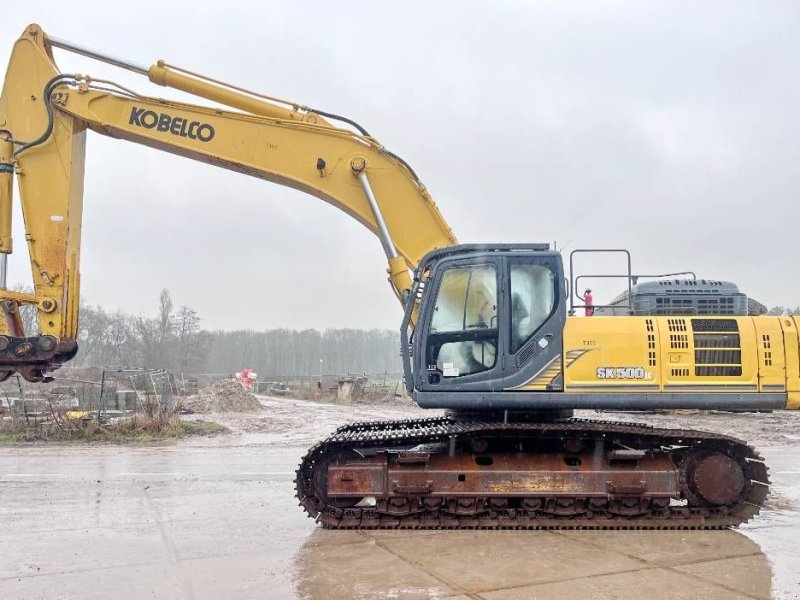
(222, 396)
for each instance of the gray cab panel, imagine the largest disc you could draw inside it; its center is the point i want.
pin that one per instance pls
(491, 318)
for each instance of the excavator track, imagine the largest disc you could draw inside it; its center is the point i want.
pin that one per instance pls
(445, 473)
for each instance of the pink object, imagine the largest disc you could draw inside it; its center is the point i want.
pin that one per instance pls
(246, 378)
(589, 302)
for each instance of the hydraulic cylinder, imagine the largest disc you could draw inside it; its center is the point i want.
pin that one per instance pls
(6, 180)
(6, 189)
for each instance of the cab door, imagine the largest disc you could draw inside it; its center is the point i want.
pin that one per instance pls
(461, 325)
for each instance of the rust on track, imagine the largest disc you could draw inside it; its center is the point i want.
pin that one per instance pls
(448, 473)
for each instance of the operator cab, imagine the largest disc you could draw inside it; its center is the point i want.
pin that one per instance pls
(490, 318)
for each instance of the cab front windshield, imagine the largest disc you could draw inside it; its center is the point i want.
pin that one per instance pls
(463, 333)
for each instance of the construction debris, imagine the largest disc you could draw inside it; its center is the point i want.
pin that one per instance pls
(222, 396)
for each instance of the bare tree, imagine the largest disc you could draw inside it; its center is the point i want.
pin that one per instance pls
(164, 315)
(121, 341)
(187, 325)
(151, 348)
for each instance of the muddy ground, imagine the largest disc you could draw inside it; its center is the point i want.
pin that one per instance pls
(215, 517)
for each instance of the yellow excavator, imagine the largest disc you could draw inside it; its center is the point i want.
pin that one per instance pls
(485, 333)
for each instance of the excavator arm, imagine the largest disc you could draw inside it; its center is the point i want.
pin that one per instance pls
(44, 115)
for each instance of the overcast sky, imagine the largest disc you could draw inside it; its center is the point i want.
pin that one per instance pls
(667, 128)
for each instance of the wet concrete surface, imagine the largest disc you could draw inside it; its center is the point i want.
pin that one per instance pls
(216, 518)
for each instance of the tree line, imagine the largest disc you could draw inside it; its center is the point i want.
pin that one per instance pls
(174, 340)
(286, 352)
(784, 310)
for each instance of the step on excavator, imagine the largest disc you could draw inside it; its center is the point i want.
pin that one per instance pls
(487, 330)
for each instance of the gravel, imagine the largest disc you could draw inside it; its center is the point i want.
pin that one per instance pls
(222, 397)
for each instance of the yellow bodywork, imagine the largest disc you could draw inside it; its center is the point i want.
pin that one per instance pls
(677, 354)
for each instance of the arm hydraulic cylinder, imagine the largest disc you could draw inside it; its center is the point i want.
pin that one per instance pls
(6, 190)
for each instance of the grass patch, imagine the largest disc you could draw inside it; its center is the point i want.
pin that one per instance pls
(134, 430)
(11, 437)
(198, 427)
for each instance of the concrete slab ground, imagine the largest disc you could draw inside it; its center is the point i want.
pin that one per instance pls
(216, 519)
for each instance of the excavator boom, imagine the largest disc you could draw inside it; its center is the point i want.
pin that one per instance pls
(44, 115)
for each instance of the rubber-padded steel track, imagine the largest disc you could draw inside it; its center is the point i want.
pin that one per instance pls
(390, 436)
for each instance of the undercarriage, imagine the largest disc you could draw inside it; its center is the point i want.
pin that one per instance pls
(450, 472)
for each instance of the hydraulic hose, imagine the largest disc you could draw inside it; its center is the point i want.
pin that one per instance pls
(48, 89)
(365, 133)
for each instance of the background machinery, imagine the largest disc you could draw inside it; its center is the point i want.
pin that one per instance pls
(485, 329)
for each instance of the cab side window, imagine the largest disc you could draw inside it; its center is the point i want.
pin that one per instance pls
(533, 289)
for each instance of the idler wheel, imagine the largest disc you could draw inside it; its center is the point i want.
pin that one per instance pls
(717, 479)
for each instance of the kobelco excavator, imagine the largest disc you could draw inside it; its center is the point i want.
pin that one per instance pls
(485, 330)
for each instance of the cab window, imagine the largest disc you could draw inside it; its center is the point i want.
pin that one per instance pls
(532, 300)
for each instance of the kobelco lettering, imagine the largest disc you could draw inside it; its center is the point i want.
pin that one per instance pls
(194, 130)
